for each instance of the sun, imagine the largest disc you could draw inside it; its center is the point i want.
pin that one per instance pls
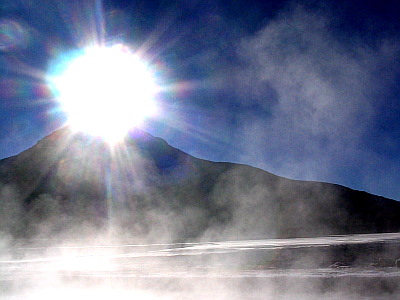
(105, 91)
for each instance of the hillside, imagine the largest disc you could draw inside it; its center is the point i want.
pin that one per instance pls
(148, 190)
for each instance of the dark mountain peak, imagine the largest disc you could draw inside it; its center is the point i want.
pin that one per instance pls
(146, 188)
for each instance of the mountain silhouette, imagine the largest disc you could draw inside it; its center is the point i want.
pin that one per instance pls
(71, 183)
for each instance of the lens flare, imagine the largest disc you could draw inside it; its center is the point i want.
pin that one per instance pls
(105, 91)
(12, 35)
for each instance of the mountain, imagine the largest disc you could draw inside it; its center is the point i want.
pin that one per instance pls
(75, 184)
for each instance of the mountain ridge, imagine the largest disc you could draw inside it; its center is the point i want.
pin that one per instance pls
(149, 189)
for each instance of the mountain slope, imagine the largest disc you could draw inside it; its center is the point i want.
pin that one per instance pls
(72, 183)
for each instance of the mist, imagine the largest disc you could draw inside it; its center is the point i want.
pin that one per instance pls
(220, 231)
(323, 99)
(144, 220)
(257, 269)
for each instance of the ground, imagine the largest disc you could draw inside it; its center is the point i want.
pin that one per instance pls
(349, 267)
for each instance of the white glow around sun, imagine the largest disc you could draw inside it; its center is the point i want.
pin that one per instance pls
(106, 91)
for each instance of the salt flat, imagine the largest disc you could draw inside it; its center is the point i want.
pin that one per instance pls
(253, 269)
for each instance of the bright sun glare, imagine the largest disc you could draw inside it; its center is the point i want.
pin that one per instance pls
(105, 91)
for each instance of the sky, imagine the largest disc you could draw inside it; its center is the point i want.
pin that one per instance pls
(307, 90)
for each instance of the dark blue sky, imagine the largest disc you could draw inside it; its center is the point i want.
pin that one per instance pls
(303, 89)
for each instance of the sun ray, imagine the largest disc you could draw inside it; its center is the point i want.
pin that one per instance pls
(105, 91)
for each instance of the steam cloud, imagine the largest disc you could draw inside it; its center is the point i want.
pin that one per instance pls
(320, 90)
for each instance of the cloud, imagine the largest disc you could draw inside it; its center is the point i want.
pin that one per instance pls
(325, 84)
